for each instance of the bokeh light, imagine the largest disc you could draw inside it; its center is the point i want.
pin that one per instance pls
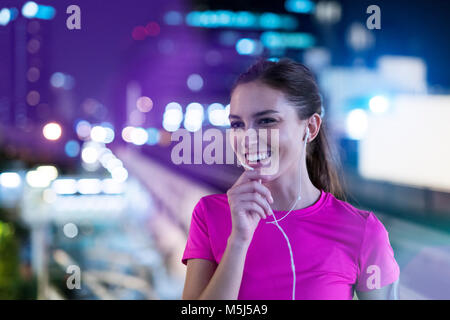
(33, 98)
(119, 174)
(195, 82)
(357, 123)
(153, 136)
(33, 74)
(72, 148)
(10, 179)
(139, 33)
(33, 46)
(152, 28)
(52, 131)
(37, 179)
(64, 186)
(98, 134)
(173, 18)
(126, 133)
(83, 129)
(49, 171)
(144, 104)
(89, 154)
(194, 117)
(173, 116)
(218, 114)
(30, 9)
(379, 104)
(139, 136)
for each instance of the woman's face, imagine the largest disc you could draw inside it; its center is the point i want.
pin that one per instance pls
(257, 106)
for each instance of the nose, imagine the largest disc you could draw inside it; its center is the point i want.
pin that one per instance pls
(249, 141)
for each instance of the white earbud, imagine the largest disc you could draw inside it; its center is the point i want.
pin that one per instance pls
(307, 135)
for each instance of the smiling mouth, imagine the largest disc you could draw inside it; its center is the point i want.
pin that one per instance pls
(261, 157)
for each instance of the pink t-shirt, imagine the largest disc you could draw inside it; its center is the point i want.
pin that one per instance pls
(337, 249)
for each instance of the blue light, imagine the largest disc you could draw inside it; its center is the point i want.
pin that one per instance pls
(244, 19)
(45, 12)
(153, 136)
(173, 18)
(271, 40)
(282, 40)
(225, 17)
(289, 22)
(33, 10)
(245, 46)
(240, 19)
(193, 18)
(270, 21)
(57, 79)
(69, 82)
(299, 6)
(72, 148)
(5, 16)
(14, 13)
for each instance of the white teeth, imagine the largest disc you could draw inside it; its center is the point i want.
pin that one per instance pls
(258, 157)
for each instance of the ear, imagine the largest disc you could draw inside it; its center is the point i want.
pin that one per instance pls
(313, 125)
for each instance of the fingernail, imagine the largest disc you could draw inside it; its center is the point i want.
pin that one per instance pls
(271, 199)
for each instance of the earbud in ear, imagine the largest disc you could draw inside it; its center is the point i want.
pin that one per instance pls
(307, 134)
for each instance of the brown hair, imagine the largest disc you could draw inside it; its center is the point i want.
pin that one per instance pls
(297, 82)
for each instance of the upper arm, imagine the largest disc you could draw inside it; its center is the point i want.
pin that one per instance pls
(198, 275)
(388, 292)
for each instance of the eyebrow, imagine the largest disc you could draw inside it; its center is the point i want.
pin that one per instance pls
(257, 114)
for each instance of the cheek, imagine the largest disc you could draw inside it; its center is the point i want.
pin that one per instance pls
(288, 148)
(237, 144)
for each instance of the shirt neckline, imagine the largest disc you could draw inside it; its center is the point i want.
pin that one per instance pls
(314, 207)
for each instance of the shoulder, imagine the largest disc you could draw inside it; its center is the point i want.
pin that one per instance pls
(347, 210)
(364, 220)
(211, 204)
(214, 199)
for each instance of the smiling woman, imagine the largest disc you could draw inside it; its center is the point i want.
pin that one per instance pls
(333, 248)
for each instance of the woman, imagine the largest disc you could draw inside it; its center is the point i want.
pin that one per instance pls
(235, 250)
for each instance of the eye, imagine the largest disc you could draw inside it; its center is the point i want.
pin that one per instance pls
(267, 120)
(236, 124)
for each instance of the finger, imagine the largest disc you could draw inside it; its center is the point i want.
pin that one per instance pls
(254, 186)
(253, 206)
(247, 176)
(253, 196)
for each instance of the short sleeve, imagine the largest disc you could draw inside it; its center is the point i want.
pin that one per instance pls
(377, 265)
(198, 244)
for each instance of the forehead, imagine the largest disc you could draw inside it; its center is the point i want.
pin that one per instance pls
(249, 97)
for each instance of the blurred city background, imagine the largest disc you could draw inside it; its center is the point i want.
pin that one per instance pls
(87, 185)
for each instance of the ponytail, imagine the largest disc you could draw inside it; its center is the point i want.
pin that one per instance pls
(322, 162)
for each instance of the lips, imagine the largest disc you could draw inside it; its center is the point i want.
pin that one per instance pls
(258, 159)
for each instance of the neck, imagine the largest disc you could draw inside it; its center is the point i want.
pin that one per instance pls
(285, 190)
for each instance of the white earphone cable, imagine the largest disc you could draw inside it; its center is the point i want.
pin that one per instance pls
(281, 229)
